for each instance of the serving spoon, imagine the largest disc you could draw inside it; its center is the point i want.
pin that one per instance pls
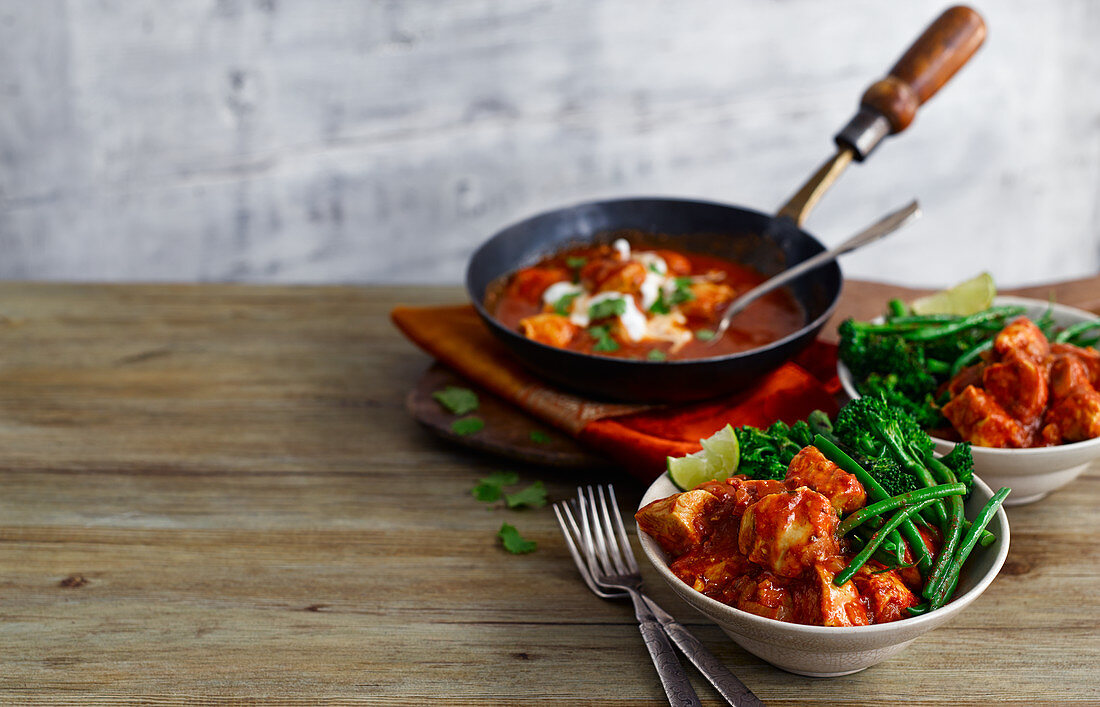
(880, 229)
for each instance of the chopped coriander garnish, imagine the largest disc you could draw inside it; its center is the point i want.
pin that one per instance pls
(467, 426)
(704, 335)
(533, 496)
(458, 401)
(564, 305)
(604, 342)
(652, 267)
(575, 262)
(683, 292)
(656, 355)
(513, 541)
(491, 488)
(540, 437)
(607, 308)
(660, 306)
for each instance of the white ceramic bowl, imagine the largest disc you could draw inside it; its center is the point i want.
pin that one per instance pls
(828, 651)
(1030, 473)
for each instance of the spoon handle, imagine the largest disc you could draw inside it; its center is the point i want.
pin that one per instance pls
(880, 229)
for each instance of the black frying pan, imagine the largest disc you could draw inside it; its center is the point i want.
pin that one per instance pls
(768, 243)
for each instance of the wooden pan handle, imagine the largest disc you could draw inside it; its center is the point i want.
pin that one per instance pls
(928, 64)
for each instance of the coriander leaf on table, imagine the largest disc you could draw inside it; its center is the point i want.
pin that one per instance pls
(458, 401)
(540, 437)
(533, 496)
(513, 541)
(467, 426)
(491, 488)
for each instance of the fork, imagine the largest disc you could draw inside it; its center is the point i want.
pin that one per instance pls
(609, 569)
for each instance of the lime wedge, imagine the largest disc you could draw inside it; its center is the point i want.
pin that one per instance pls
(716, 461)
(968, 297)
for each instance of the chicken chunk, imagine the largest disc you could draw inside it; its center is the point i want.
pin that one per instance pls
(738, 493)
(1023, 337)
(885, 593)
(1067, 374)
(971, 375)
(680, 522)
(1088, 357)
(716, 570)
(787, 533)
(764, 595)
(626, 278)
(676, 263)
(1076, 416)
(529, 284)
(708, 299)
(1019, 384)
(980, 420)
(825, 604)
(551, 329)
(810, 468)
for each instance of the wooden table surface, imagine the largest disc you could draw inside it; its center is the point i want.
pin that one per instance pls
(214, 493)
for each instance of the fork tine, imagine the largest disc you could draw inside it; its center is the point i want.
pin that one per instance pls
(561, 510)
(624, 542)
(595, 536)
(608, 531)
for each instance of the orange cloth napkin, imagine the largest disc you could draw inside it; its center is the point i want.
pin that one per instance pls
(638, 437)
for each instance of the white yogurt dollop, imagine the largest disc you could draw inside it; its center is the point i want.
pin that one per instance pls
(560, 289)
(633, 322)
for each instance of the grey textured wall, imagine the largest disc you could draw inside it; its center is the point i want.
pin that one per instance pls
(370, 141)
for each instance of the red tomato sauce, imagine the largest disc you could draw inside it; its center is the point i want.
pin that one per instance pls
(518, 297)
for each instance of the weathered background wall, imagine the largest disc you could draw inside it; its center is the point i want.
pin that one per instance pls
(380, 141)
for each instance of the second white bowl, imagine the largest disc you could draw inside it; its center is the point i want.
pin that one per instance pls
(1030, 473)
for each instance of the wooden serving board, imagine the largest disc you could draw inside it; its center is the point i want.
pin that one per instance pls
(507, 429)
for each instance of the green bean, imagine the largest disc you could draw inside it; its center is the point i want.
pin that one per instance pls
(936, 367)
(1075, 330)
(922, 473)
(930, 333)
(946, 476)
(951, 579)
(874, 489)
(906, 499)
(947, 551)
(926, 319)
(1084, 343)
(969, 357)
(865, 554)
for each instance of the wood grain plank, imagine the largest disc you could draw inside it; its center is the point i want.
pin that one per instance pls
(251, 516)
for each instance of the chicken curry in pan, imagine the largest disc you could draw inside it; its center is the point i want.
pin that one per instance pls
(626, 301)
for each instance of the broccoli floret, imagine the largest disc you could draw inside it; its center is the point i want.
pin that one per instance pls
(875, 429)
(791, 438)
(760, 457)
(819, 423)
(961, 461)
(893, 478)
(766, 454)
(921, 407)
(869, 354)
